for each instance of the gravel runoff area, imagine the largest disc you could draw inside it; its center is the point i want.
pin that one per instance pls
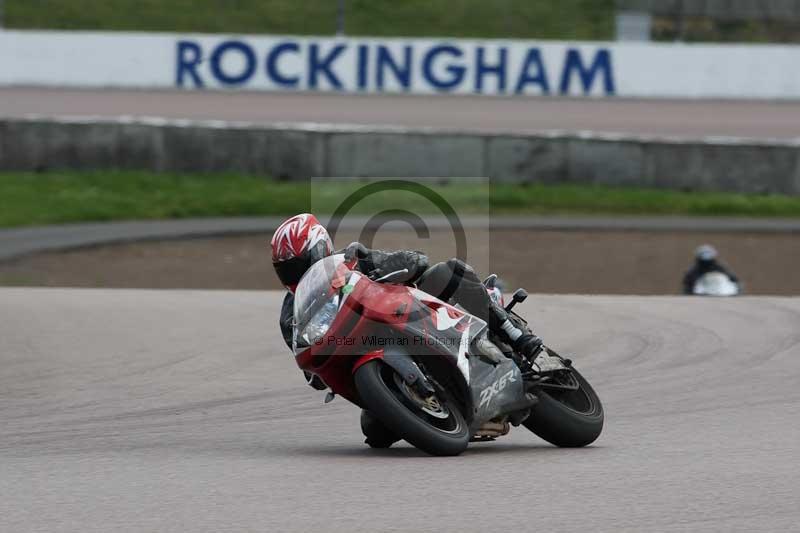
(170, 411)
(541, 260)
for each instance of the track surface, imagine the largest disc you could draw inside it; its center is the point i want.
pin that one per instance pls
(661, 117)
(182, 411)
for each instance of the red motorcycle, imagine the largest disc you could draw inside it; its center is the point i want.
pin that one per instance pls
(429, 372)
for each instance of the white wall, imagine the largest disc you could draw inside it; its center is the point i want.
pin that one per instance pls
(193, 62)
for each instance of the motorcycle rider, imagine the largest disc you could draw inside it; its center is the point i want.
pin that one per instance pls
(301, 240)
(705, 262)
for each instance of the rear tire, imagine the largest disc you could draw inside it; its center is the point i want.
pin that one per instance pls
(569, 420)
(386, 403)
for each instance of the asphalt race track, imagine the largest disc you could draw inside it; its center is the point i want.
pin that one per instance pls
(182, 411)
(657, 117)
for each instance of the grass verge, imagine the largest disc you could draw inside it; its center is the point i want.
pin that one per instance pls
(62, 197)
(546, 19)
(500, 19)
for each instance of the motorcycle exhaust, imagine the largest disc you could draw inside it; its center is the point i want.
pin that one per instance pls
(493, 429)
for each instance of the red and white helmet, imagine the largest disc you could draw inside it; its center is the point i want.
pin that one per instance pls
(297, 244)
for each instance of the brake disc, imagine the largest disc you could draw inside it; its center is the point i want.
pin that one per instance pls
(429, 405)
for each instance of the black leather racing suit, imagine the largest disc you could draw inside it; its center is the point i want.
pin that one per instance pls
(700, 268)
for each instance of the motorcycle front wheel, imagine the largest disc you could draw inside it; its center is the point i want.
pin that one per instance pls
(434, 424)
(567, 418)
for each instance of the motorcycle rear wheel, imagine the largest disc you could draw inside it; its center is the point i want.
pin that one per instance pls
(567, 419)
(444, 434)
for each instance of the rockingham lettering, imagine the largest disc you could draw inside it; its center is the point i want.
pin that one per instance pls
(274, 71)
(392, 66)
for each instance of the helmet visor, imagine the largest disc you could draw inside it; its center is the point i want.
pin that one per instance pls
(291, 270)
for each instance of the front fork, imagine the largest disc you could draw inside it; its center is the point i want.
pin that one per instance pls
(404, 365)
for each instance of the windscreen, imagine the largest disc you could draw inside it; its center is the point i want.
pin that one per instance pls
(316, 299)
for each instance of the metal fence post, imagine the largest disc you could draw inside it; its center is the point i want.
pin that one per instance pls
(681, 16)
(339, 18)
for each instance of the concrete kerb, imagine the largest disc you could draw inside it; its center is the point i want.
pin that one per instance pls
(300, 151)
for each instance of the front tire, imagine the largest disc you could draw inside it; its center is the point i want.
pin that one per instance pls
(377, 385)
(567, 419)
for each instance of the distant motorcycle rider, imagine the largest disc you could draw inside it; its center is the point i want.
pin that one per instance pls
(705, 262)
(301, 240)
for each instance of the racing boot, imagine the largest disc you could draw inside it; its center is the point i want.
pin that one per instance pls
(528, 345)
(378, 435)
(525, 343)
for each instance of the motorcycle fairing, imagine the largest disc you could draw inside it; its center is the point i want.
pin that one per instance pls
(715, 284)
(366, 308)
(495, 389)
(449, 329)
